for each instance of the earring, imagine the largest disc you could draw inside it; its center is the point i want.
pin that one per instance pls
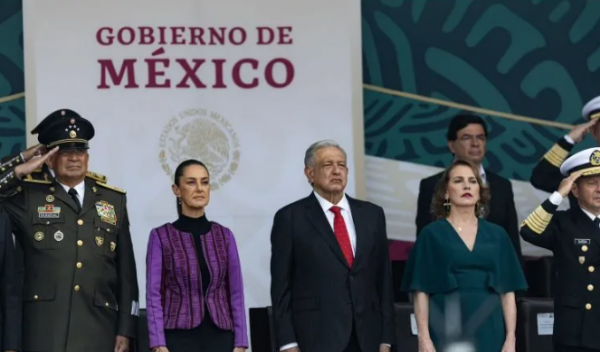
(447, 205)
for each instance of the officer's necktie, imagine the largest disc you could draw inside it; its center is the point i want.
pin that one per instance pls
(73, 194)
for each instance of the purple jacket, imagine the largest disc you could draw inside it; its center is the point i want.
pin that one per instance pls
(173, 284)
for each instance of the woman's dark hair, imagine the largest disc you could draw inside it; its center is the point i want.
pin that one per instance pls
(439, 210)
(179, 173)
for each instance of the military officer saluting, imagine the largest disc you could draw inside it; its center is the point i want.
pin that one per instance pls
(80, 291)
(574, 238)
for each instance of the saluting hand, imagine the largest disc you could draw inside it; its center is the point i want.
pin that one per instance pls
(578, 132)
(36, 150)
(567, 183)
(33, 163)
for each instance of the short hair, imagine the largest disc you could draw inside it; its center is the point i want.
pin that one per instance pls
(461, 121)
(309, 156)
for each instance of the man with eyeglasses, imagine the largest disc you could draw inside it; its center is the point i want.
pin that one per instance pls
(80, 290)
(467, 137)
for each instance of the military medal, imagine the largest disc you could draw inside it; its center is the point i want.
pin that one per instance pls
(99, 241)
(49, 198)
(113, 246)
(58, 236)
(581, 260)
(38, 236)
(106, 212)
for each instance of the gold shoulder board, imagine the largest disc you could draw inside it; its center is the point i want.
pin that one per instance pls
(101, 184)
(30, 179)
(96, 176)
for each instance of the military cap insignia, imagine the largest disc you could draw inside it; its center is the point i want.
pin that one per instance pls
(113, 246)
(49, 198)
(73, 134)
(99, 241)
(106, 212)
(38, 236)
(595, 158)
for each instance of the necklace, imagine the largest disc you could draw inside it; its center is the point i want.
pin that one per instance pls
(458, 228)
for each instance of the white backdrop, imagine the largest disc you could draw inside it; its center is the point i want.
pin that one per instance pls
(254, 138)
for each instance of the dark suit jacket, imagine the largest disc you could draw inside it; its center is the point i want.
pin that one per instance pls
(316, 296)
(502, 209)
(575, 241)
(10, 290)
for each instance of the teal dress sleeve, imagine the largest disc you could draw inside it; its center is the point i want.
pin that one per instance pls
(427, 269)
(508, 275)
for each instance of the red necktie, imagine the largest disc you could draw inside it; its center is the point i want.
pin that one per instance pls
(341, 233)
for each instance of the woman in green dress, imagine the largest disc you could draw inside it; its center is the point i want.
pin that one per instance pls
(463, 271)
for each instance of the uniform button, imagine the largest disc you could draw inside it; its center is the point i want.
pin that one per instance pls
(591, 269)
(584, 248)
(79, 222)
(79, 265)
(80, 243)
(588, 306)
(106, 304)
(77, 287)
(35, 297)
(590, 287)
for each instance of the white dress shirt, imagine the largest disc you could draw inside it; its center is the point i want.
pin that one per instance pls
(80, 188)
(346, 214)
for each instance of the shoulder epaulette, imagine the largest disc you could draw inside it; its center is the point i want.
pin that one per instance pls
(30, 179)
(101, 184)
(96, 176)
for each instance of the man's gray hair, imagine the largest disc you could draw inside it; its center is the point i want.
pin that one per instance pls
(311, 152)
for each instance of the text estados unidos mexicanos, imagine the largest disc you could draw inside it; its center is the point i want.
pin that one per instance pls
(245, 73)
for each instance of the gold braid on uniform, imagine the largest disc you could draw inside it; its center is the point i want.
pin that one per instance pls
(556, 155)
(96, 176)
(538, 220)
(102, 184)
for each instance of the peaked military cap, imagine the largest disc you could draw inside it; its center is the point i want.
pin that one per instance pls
(52, 118)
(587, 160)
(591, 110)
(68, 131)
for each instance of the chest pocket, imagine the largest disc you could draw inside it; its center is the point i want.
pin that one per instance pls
(48, 233)
(105, 238)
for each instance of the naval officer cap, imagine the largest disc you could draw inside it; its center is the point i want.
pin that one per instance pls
(591, 110)
(68, 131)
(587, 160)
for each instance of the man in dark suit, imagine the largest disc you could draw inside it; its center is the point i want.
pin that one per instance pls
(574, 238)
(331, 284)
(10, 294)
(80, 290)
(467, 137)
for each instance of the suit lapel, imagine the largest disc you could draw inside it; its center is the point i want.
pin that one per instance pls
(317, 217)
(360, 227)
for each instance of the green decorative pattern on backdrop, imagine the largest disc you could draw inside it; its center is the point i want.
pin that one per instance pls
(537, 58)
(12, 79)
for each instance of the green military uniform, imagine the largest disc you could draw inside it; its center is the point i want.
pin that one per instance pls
(80, 286)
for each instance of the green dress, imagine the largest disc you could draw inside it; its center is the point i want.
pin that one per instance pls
(464, 285)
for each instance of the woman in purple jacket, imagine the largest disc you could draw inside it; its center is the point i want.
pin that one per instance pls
(194, 293)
